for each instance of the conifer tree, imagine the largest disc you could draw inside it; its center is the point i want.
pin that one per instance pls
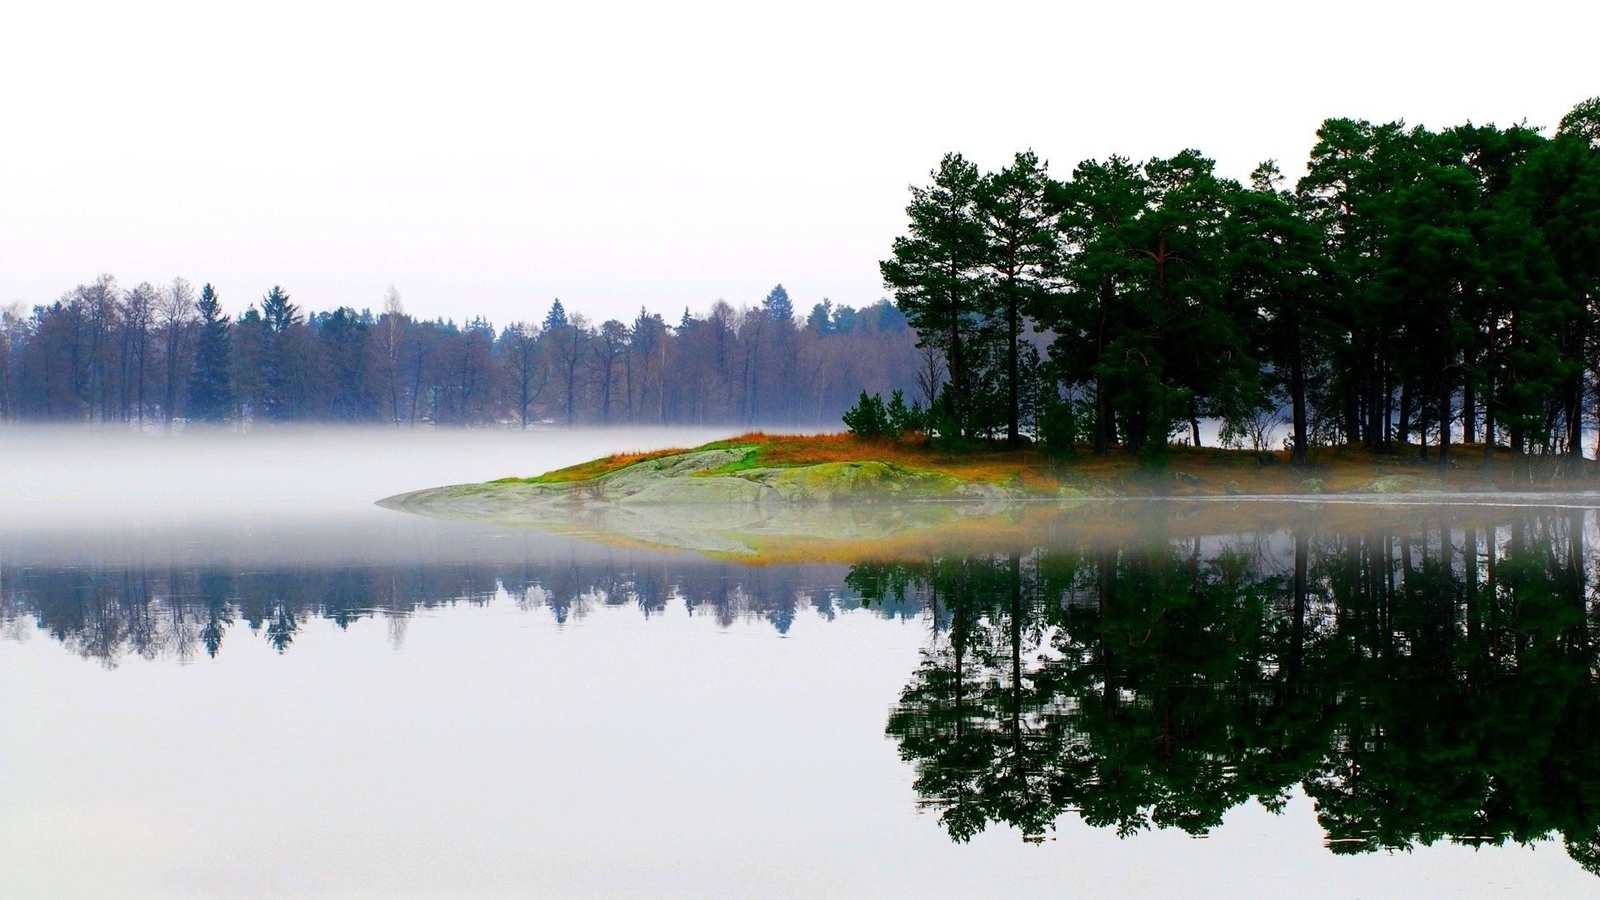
(933, 272)
(210, 390)
(1276, 267)
(1021, 257)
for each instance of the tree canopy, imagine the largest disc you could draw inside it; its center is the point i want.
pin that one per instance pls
(1415, 287)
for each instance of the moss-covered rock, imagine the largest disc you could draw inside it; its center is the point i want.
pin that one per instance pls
(855, 481)
(713, 477)
(1402, 484)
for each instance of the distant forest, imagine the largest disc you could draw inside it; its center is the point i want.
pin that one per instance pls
(1414, 287)
(158, 354)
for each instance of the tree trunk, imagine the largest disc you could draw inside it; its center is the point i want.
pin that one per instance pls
(1302, 555)
(1103, 428)
(1488, 431)
(1376, 437)
(956, 403)
(1403, 430)
(1352, 415)
(1444, 420)
(1574, 416)
(1013, 394)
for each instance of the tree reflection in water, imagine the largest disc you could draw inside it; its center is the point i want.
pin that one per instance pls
(1424, 683)
(113, 612)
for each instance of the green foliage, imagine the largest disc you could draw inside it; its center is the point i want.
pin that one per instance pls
(934, 273)
(556, 318)
(210, 389)
(868, 418)
(1413, 286)
(277, 312)
(871, 417)
(1060, 425)
(940, 422)
(901, 418)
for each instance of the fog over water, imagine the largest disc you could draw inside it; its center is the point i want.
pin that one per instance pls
(59, 474)
(225, 673)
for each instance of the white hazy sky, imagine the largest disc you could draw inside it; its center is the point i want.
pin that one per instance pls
(487, 158)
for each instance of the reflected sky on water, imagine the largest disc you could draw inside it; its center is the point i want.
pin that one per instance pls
(362, 703)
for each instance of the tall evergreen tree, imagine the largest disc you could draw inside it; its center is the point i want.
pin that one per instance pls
(778, 306)
(1198, 362)
(1100, 206)
(1276, 268)
(1559, 187)
(557, 316)
(1355, 172)
(281, 374)
(1429, 262)
(933, 272)
(210, 389)
(1021, 257)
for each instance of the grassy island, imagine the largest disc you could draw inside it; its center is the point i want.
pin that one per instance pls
(852, 465)
(786, 497)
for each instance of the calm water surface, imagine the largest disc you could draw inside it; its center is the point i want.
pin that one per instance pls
(266, 691)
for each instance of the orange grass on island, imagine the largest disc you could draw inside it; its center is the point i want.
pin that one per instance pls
(1187, 471)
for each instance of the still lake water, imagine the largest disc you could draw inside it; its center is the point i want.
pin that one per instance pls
(223, 673)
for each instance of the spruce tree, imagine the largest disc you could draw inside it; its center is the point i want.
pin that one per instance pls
(210, 390)
(281, 374)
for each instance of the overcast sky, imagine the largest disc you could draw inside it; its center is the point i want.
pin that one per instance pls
(486, 159)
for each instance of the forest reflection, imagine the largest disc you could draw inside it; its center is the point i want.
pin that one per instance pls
(1426, 682)
(1432, 677)
(110, 614)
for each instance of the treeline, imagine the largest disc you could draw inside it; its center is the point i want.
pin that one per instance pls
(1415, 286)
(161, 354)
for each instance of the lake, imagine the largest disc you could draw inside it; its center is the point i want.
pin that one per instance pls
(224, 673)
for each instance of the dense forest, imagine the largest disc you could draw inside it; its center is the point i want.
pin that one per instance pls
(159, 354)
(1415, 287)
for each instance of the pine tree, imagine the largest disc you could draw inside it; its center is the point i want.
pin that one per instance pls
(1021, 257)
(1090, 314)
(934, 275)
(1276, 267)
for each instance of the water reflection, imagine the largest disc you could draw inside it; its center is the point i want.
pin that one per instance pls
(112, 613)
(1435, 681)
(1430, 678)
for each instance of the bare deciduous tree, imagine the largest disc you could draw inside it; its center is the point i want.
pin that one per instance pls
(175, 314)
